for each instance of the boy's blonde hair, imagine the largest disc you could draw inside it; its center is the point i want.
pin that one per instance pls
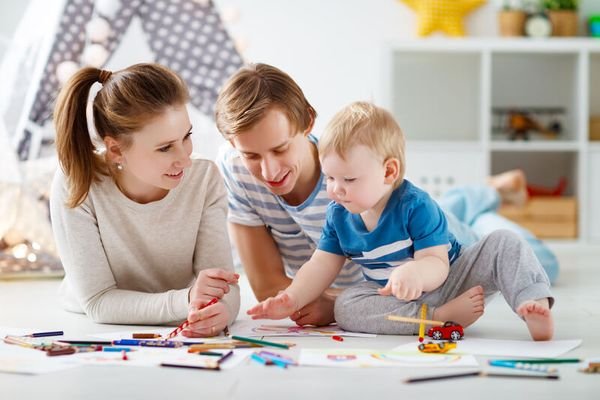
(364, 123)
(255, 89)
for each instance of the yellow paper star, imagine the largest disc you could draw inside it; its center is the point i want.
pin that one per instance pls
(442, 15)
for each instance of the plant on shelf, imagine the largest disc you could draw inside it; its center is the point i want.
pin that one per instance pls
(557, 5)
(563, 15)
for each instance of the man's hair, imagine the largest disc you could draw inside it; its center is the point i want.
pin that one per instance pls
(364, 123)
(255, 89)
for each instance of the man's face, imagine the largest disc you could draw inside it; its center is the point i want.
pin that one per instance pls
(273, 152)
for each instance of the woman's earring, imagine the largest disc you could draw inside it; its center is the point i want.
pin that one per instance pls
(120, 166)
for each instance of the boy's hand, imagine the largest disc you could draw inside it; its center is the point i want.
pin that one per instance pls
(281, 306)
(211, 283)
(404, 283)
(209, 321)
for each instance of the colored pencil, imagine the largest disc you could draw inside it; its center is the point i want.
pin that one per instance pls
(185, 323)
(259, 359)
(215, 368)
(147, 343)
(44, 334)
(545, 361)
(60, 351)
(116, 349)
(145, 335)
(422, 324)
(479, 373)
(414, 320)
(261, 342)
(522, 366)
(211, 353)
(87, 342)
(531, 376)
(225, 356)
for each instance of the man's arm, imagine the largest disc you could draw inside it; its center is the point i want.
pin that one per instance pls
(264, 267)
(261, 259)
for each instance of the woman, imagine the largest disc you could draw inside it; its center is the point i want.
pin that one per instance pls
(139, 225)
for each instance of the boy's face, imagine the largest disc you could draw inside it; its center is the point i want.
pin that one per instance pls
(274, 153)
(357, 182)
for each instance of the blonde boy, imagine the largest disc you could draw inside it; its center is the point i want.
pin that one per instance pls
(399, 236)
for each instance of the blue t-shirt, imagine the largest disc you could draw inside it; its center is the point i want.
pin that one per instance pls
(295, 229)
(410, 221)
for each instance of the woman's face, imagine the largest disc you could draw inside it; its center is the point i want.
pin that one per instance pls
(159, 153)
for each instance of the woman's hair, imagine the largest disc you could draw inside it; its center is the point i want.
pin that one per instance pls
(127, 101)
(252, 91)
(364, 123)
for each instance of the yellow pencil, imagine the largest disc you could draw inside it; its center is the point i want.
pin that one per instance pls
(422, 324)
(414, 320)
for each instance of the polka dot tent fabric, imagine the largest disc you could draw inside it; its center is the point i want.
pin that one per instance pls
(186, 36)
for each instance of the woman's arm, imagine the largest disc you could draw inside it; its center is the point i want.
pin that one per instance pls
(89, 274)
(212, 245)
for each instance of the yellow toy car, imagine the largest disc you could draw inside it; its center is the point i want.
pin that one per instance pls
(439, 347)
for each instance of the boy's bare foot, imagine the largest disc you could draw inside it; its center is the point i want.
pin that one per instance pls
(464, 309)
(538, 317)
(511, 185)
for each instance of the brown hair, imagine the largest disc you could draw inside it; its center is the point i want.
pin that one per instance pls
(364, 123)
(127, 101)
(252, 91)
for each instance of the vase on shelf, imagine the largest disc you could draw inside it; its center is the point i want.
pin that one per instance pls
(564, 22)
(511, 22)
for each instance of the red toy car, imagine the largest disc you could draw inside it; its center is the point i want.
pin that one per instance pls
(449, 331)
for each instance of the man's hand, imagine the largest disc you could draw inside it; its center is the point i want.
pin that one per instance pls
(317, 313)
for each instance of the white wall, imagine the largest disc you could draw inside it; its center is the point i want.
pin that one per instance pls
(332, 48)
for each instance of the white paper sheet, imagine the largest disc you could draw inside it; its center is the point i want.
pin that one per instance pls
(366, 358)
(257, 328)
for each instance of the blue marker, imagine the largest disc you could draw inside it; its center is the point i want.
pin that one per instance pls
(148, 343)
(116, 349)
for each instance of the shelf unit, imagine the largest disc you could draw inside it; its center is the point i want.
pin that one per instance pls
(443, 93)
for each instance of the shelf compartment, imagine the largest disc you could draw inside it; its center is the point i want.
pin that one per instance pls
(534, 82)
(436, 95)
(543, 168)
(594, 98)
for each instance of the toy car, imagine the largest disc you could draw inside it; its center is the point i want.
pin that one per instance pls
(440, 347)
(449, 331)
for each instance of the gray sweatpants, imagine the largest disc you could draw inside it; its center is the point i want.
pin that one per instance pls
(500, 261)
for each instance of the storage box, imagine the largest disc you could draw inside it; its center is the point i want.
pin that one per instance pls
(595, 128)
(546, 217)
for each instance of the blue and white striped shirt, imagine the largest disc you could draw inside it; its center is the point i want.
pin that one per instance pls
(295, 229)
(410, 221)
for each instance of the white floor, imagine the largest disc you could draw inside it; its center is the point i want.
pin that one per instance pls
(34, 304)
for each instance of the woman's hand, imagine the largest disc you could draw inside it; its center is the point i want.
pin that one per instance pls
(212, 283)
(208, 321)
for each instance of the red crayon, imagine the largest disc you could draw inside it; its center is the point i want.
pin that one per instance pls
(186, 322)
(338, 338)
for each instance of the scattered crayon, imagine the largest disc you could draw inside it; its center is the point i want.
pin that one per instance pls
(146, 336)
